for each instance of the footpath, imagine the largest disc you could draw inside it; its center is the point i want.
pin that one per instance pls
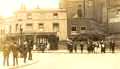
(20, 62)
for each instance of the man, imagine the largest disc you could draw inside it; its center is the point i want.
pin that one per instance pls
(15, 53)
(25, 49)
(81, 46)
(102, 47)
(30, 47)
(70, 45)
(112, 46)
(75, 45)
(6, 52)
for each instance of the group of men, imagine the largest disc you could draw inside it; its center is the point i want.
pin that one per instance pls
(90, 46)
(72, 45)
(16, 49)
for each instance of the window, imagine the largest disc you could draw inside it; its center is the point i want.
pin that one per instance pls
(19, 19)
(82, 28)
(10, 29)
(29, 26)
(90, 3)
(55, 14)
(74, 28)
(56, 27)
(41, 26)
(16, 27)
(29, 16)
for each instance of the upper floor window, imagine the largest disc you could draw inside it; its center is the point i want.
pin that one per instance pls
(55, 14)
(74, 28)
(19, 19)
(29, 26)
(90, 3)
(82, 28)
(29, 16)
(56, 27)
(41, 26)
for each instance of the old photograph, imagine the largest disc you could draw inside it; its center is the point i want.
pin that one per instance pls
(59, 34)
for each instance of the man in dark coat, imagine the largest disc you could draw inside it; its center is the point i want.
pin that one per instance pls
(6, 52)
(25, 49)
(81, 46)
(30, 47)
(102, 47)
(112, 46)
(70, 45)
(15, 52)
(75, 45)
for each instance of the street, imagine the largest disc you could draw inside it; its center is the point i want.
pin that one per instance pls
(61, 60)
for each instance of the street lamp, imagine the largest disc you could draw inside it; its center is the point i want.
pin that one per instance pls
(21, 33)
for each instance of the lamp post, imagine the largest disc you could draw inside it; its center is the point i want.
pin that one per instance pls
(21, 35)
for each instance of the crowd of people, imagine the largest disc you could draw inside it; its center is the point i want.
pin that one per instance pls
(90, 46)
(26, 48)
(11, 46)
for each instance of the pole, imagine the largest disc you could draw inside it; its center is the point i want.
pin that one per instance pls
(108, 11)
(21, 30)
(84, 6)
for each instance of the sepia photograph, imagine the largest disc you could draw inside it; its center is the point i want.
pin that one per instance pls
(59, 34)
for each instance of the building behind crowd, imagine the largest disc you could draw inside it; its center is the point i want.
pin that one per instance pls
(85, 17)
(40, 22)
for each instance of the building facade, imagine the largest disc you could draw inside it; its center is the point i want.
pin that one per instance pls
(84, 13)
(41, 21)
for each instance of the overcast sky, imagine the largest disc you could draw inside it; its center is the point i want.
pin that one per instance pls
(7, 7)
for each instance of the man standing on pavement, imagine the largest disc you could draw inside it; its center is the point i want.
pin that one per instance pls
(81, 46)
(15, 53)
(30, 47)
(25, 49)
(70, 45)
(6, 52)
(112, 46)
(75, 45)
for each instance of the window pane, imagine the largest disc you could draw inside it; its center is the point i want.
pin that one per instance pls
(55, 27)
(83, 28)
(74, 28)
(41, 26)
(55, 14)
(29, 26)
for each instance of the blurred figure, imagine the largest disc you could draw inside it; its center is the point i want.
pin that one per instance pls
(25, 49)
(34, 47)
(90, 47)
(6, 52)
(97, 47)
(15, 53)
(81, 46)
(42, 46)
(102, 47)
(75, 45)
(48, 46)
(70, 45)
(112, 46)
(30, 47)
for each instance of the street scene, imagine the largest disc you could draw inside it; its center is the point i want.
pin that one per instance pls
(59, 34)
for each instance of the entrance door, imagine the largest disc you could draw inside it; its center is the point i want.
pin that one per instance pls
(41, 42)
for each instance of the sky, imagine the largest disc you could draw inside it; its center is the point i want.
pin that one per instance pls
(7, 7)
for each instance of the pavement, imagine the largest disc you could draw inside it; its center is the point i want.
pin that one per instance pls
(38, 54)
(62, 59)
(20, 62)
